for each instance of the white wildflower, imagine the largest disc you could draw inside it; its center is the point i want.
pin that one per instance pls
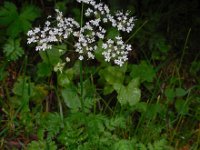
(123, 22)
(80, 57)
(67, 59)
(88, 12)
(85, 1)
(116, 50)
(86, 37)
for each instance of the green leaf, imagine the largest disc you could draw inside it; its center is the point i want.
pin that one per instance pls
(180, 92)
(8, 13)
(62, 5)
(76, 13)
(160, 144)
(124, 145)
(128, 94)
(44, 70)
(98, 52)
(169, 93)
(108, 89)
(17, 23)
(23, 90)
(39, 94)
(3, 73)
(29, 13)
(143, 71)
(112, 75)
(95, 124)
(63, 79)
(195, 67)
(112, 33)
(12, 49)
(153, 110)
(181, 106)
(163, 46)
(141, 107)
(14, 28)
(116, 122)
(71, 97)
(89, 89)
(42, 145)
(23, 87)
(50, 56)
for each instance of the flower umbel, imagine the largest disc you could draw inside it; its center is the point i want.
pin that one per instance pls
(87, 36)
(116, 50)
(50, 34)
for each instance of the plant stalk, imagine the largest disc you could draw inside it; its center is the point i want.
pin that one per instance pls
(81, 66)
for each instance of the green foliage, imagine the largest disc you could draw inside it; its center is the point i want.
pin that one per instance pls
(50, 123)
(71, 97)
(124, 145)
(143, 71)
(17, 22)
(151, 103)
(159, 47)
(194, 69)
(42, 145)
(13, 49)
(181, 106)
(50, 57)
(44, 69)
(115, 122)
(174, 93)
(157, 145)
(129, 94)
(23, 88)
(111, 75)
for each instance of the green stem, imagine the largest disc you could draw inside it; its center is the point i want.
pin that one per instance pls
(81, 85)
(82, 8)
(81, 66)
(136, 32)
(184, 48)
(60, 105)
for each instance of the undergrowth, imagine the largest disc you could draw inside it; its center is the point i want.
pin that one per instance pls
(149, 102)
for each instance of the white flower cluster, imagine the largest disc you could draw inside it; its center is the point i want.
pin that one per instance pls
(96, 9)
(116, 50)
(86, 36)
(85, 1)
(124, 23)
(120, 20)
(55, 33)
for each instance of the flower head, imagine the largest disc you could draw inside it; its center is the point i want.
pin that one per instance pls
(116, 50)
(86, 36)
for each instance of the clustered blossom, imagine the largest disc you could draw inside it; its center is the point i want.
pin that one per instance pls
(55, 33)
(120, 20)
(85, 1)
(86, 36)
(116, 50)
(124, 23)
